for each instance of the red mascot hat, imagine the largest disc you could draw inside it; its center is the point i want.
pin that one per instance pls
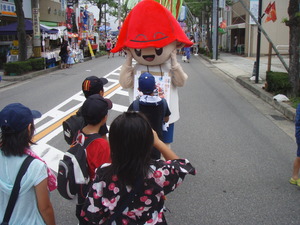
(149, 24)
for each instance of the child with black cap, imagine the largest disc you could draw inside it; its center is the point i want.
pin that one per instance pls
(90, 86)
(152, 106)
(94, 111)
(94, 85)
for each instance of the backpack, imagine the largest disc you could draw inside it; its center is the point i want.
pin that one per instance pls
(136, 105)
(71, 126)
(73, 168)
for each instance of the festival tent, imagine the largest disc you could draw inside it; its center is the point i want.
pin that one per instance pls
(11, 29)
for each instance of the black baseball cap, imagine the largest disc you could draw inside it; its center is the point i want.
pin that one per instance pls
(93, 85)
(95, 108)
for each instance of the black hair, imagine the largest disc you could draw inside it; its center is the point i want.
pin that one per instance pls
(131, 141)
(14, 143)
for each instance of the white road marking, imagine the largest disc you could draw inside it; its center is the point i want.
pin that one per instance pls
(52, 155)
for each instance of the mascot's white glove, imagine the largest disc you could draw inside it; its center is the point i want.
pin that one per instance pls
(178, 75)
(174, 62)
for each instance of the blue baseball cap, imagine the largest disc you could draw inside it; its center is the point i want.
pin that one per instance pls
(17, 116)
(147, 83)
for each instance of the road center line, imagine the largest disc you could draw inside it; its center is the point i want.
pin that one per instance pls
(54, 126)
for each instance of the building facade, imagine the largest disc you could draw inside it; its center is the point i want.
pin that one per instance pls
(241, 25)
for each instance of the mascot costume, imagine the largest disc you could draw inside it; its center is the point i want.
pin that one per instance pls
(151, 35)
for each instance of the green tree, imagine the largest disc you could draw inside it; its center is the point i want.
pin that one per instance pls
(21, 30)
(111, 6)
(124, 10)
(294, 46)
(202, 9)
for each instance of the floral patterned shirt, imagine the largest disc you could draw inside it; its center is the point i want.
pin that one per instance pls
(147, 205)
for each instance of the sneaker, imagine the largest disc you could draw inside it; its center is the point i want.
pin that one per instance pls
(295, 182)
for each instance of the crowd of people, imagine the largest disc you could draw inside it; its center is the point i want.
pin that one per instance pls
(130, 172)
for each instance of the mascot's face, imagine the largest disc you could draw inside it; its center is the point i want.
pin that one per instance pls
(153, 56)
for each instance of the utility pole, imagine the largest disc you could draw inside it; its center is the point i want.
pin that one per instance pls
(36, 28)
(258, 41)
(215, 29)
(119, 12)
(105, 20)
(265, 34)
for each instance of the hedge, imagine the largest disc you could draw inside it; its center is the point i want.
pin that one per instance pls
(21, 67)
(278, 82)
(17, 68)
(37, 63)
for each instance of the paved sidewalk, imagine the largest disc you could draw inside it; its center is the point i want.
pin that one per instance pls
(237, 67)
(241, 69)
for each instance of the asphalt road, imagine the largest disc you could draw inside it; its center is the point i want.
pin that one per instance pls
(241, 147)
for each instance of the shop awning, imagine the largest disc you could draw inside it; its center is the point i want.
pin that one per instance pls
(11, 29)
(50, 24)
(236, 26)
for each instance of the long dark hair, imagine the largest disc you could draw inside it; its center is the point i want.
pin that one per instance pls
(131, 141)
(14, 143)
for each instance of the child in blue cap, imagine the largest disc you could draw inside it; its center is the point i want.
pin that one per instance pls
(152, 106)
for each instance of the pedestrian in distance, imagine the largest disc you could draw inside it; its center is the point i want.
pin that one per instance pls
(94, 110)
(187, 52)
(236, 44)
(71, 58)
(33, 205)
(108, 47)
(296, 166)
(64, 54)
(132, 189)
(113, 45)
(152, 106)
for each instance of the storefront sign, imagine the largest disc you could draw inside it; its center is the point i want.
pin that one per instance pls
(8, 9)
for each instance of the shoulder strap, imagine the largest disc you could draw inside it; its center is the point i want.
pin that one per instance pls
(16, 188)
(90, 139)
(136, 105)
(165, 106)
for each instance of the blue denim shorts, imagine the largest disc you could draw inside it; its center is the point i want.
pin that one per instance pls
(168, 135)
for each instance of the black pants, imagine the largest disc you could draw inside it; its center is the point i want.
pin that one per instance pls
(81, 196)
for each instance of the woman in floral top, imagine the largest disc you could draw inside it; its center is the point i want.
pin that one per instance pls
(133, 171)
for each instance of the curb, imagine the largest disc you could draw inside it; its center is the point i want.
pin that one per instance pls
(29, 75)
(287, 110)
(10, 80)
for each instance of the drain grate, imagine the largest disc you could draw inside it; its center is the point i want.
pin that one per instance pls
(275, 117)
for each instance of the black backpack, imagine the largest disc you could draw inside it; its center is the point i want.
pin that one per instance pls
(136, 105)
(73, 168)
(71, 126)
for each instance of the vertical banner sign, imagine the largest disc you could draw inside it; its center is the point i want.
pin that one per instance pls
(254, 10)
(182, 14)
(36, 23)
(222, 4)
